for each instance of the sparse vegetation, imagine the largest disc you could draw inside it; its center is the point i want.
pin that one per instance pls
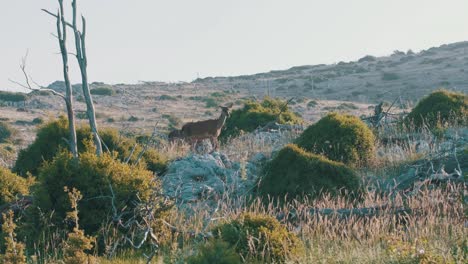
(351, 142)
(166, 97)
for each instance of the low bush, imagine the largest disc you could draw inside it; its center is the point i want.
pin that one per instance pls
(93, 176)
(260, 238)
(133, 119)
(389, 76)
(6, 132)
(257, 114)
(339, 137)
(215, 251)
(165, 97)
(12, 186)
(50, 138)
(13, 97)
(296, 174)
(312, 104)
(102, 91)
(367, 58)
(37, 121)
(439, 108)
(211, 102)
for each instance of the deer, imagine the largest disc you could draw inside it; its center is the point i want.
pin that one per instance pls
(196, 131)
(175, 135)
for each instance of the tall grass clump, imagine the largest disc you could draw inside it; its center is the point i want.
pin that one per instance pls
(257, 114)
(260, 237)
(6, 132)
(297, 174)
(440, 108)
(340, 137)
(215, 251)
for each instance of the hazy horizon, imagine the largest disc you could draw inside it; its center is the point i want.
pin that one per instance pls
(180, 40)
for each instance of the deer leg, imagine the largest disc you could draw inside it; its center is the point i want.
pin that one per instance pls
(194, 144)
(214, 143)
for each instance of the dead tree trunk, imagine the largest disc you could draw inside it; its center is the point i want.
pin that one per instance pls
(62, 37)
(80, 43)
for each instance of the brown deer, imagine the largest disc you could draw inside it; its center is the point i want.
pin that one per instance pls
(196, 131)
(175, 136)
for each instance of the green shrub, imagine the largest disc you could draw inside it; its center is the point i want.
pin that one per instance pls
(295, 174)
(211, 102)
(257, 114)
(12, 186)
(215, 251)
(38, 121)
(102, 91)
(438, 108)
(93, 176)
(50, 138)
(389, 76)
(173, 120)
(260, 237)
(167, 97)
(6, 132)
(13, 97)
(339, 137)
(367, 58)
(133, 119)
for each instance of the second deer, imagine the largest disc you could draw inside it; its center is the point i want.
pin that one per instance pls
(207, 129)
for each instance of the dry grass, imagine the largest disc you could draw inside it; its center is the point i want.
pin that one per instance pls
(436, 225)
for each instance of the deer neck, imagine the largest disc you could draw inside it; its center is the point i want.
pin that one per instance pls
(221, 120)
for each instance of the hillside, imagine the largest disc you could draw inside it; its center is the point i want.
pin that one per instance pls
(370, 79)
(351, 87)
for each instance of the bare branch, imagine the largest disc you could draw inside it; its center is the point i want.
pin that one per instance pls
(28, 80)
(54, 15)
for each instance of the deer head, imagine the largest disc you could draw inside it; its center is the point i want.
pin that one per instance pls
(225, 114)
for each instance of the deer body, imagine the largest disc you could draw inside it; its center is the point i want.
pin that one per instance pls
(207, 129)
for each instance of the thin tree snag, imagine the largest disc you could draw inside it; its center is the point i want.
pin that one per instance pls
(80, 43)
(81, 56)
(62, 37)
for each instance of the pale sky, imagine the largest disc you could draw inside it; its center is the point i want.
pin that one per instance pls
(173, 40)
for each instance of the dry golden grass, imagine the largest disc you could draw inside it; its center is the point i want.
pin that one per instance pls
(435, 226)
